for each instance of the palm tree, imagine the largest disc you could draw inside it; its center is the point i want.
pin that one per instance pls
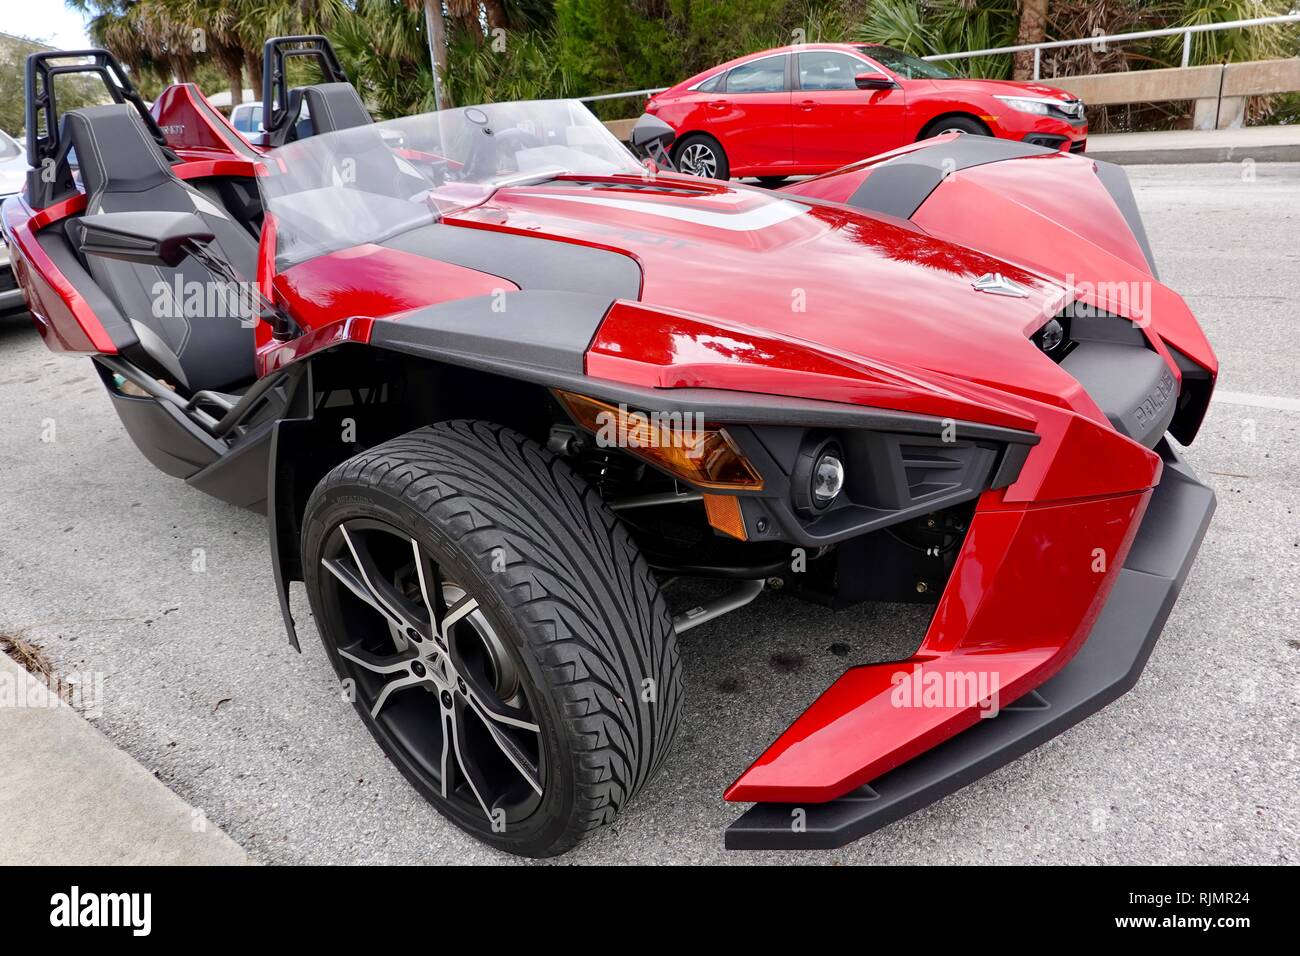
(221, 39)
(143, 34)
(1033, 29)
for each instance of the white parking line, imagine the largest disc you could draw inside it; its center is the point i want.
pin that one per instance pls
(1257, 401)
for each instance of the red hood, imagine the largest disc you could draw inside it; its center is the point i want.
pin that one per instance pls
(999, 88)
(877, 290)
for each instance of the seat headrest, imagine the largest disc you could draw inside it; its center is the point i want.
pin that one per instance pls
(114, 149)
(335, 106)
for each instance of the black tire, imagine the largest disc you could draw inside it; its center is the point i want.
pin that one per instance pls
(772, 182)
(557, 579)
(959, 124)
(712, 159)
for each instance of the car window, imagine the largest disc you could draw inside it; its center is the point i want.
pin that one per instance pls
(248, 119)
(712, 85)
(827, 70)
(760, 76)
(8, 148)
(907, 66)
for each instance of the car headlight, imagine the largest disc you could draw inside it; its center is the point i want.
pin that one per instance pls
(1029, 104)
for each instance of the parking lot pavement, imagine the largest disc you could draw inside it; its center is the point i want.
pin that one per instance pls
(113, 567)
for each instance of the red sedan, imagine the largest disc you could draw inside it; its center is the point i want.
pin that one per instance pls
(815, 107)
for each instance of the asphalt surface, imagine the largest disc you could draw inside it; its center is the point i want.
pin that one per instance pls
(112, 566)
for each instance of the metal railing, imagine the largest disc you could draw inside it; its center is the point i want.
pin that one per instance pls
(619, 96)
(1185, 32)
(1038, 48)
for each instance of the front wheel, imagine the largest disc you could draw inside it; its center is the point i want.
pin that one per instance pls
(957, 124)
(497, 629)
(702, 155)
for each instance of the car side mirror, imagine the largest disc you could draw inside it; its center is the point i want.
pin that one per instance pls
(651, 138)
(145, 238)
(873, 81)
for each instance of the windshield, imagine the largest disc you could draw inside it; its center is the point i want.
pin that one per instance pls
(905, 65)
(8, 148)
(371, 183)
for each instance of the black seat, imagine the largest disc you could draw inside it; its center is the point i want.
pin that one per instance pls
(183, 341)
(335, 106)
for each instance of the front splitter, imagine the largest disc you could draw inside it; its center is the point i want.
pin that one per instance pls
(1107, 666)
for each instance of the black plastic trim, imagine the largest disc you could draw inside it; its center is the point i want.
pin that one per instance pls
(530, 262)
(1133, 386)
(1107, 666)
(1116, 182)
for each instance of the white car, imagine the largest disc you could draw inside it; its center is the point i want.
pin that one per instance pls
(13, 173)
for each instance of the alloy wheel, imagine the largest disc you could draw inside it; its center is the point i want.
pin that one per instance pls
(435, 678)
(698, 159)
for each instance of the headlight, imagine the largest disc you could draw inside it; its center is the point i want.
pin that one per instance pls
(1051, 336)
(818, 476)
(1031, 104)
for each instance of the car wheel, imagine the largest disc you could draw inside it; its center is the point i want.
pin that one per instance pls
(497, 629)
(957, 124)
(701, 155)
(772, 182)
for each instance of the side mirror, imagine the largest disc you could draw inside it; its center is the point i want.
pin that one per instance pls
(651, 130)
(145, 238)
(651, 138)
(873, 81)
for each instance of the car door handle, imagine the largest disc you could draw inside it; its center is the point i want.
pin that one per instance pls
(717, 105)
(807, 105)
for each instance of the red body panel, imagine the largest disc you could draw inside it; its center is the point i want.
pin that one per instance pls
(63, 319)
(823, 129)
(1015, 611)
(328, 293)
(193, 128)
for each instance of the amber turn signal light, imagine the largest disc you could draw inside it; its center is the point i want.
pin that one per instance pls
(677, 442)
(725, 515)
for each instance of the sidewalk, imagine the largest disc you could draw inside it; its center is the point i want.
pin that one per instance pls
(1263, 144)
(69, 796)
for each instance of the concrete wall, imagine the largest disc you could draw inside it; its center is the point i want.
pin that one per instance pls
(1219, 91)
(1143, 86)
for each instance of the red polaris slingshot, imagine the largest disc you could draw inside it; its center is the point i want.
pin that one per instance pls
(494, 382)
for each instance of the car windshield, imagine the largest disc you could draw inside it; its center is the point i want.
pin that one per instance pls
(907, 66)
(371, 183)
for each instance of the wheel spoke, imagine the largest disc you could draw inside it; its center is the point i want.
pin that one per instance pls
(383, 596)
(490, 710)
(398, 683)
(456, 728)
(517, 757)
(464, 607)
(354, 584)
(430, 587)
(389, 664)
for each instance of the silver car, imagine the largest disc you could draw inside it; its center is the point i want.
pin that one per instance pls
(13, 172)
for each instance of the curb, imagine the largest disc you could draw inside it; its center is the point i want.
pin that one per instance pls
(70, 796)
(1278, 153)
